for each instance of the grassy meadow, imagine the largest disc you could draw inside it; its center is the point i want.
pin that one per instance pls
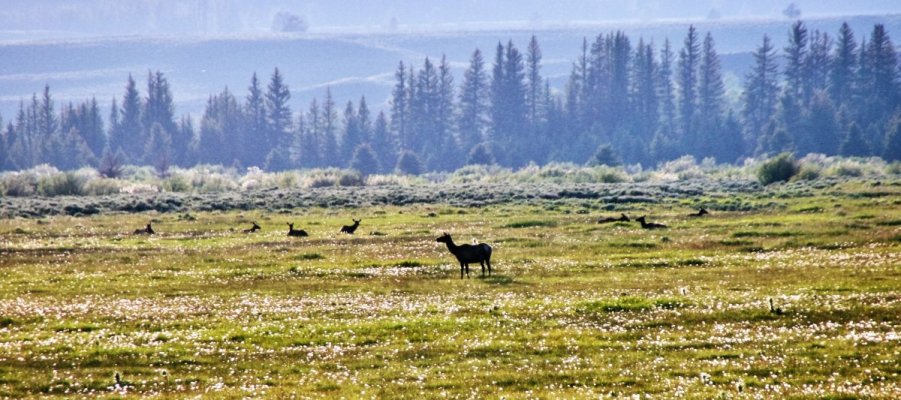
(574, 309)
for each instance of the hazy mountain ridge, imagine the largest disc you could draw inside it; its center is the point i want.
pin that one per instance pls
(351, 64)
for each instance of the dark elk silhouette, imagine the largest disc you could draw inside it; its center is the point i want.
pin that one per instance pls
(649, 225)
(350, 229)
(148, 230)
(296, 232)
(622, 218)
(467, 253)
(253, 228)
(701, 212)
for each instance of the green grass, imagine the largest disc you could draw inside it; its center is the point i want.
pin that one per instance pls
(573, 310)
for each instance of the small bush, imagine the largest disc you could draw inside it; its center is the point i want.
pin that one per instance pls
(176, 183)
(808, 173)
(19, 184)
(65, 184)
(350, 179)
(780, 168)
(322, 181)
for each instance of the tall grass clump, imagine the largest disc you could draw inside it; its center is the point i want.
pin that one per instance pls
(780, 168)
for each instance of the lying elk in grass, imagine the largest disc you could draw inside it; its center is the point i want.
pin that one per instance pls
(296, 232)
(622, 218)
(253, 228)
(148, 230)
(350, 229)
(649, 225)
(467, 253)
(701, 212)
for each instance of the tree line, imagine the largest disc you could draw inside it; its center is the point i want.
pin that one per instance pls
(623, 102)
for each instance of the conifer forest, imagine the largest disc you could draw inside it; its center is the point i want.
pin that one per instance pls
(627, 101)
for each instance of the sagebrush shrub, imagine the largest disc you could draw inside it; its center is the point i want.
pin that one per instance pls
(780, 168)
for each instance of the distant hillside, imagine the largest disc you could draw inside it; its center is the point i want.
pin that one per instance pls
(351, 64)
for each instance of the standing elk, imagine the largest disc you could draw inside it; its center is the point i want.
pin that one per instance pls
(468, 253)
(349, 229)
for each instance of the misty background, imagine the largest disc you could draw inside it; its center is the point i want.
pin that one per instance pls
(88, 48)
(28, 19)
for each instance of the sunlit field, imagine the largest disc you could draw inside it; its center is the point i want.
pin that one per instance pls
(797, 295)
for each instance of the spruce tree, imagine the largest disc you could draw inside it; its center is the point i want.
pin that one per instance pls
(854, 144)
(662, 146)
(473, 102)
(129, 136)
(352, 137)
(383, 143)
(760, 91)
(310, 153)
(158, 150)
(689, 59)
(254, 143)
(364, 160)
(444, 155)
(480, 154)
(892, 147)
(408, 163)
(364, 121)
(711, 92)
(844, 63)
(400, 108)
(329, 144)
(796, 68)
(278, 112)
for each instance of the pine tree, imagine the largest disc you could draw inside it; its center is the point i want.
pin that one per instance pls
(383, 143)
(220, 129)
(662, 146)
(473, 102)
(278, 112)
(400, 108)
(159, 109)
(689, 59)
(760, 91)
(311, 138)
(255, 141)
(408, 163)
(47, 129)
(352, 137)
(796, 67)
(844, 63)
(879, 78)
(645, 102)
(364, 121)
(892, 147)
(480, 155)
(444, 154)
(329, 144)
(711, 92)
(821, 129)
(854, 144)
(819, 63)
(534, 80)
(158, 150)
(364, 160)
(129, 136)
(74, 152)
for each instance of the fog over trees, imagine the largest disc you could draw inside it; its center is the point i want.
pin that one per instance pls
(626, 100)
